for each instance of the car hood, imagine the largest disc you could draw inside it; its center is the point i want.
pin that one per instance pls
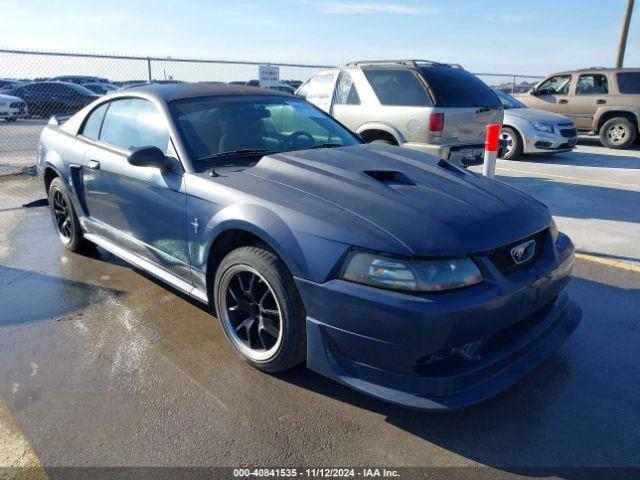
(9, 98)
(534, 115)
(429, 206)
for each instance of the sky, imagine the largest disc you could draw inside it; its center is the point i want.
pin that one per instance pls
(532, 37)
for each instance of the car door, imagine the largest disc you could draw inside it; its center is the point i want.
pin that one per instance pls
(57, 98)
(33, 96)
(70, 99)
(552, 94)
(140, 209)
(591, 93)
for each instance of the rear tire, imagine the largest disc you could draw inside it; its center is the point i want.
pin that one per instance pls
(380, 140)
(260, 309)
(64, 217)
(618, 133)
(514, 143)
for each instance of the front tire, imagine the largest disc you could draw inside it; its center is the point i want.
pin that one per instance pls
(260, 309)
(514, 143)
(618, 133)
(64, 217)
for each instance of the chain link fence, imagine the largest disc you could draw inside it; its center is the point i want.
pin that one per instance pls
(36, 85)
(509, 82)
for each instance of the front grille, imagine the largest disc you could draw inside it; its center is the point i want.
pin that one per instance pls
(504, 262)
(568, 132)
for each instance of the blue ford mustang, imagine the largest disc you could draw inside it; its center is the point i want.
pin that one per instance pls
(386, 269)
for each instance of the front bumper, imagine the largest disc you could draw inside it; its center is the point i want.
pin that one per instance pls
(441, 351)
(542, 142)
(13, 112)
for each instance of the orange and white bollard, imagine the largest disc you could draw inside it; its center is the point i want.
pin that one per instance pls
(491, 144)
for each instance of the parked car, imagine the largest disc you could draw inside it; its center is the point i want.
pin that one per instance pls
(529, 130)
(281, 87)
(437, 108)
(293, 83)
(277, 85)
(601, 101)
(12, 108)
(80, 79)
(48, 98)
(100, 88)
(387, 269)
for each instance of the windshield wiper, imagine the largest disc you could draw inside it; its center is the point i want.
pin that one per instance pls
(240, 153)
(325, 145)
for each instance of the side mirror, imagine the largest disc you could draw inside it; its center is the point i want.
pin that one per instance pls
(534, 92)
(149, 157)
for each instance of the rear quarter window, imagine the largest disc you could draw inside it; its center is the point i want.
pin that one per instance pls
(453, 87)
(397, 87)
(629, 82)
(319, 88)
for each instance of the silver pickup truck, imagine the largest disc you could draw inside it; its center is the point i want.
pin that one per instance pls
(438, 108)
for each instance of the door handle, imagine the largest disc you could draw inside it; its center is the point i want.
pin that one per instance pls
(94, 165)
(601, 101)
(563, 101)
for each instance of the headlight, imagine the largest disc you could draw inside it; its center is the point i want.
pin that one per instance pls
(554, 231)
(410, 275)
(543, 127)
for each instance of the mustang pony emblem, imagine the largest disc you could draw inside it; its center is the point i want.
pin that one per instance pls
(523, 252)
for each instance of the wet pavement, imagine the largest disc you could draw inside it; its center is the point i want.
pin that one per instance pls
(102, 365)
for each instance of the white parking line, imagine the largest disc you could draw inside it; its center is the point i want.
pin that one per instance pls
(609, 262)
(563, 177)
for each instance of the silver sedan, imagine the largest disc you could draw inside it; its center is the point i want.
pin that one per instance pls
(529, 130)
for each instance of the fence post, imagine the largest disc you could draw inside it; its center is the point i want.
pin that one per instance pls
(513, 85)
(149, 69)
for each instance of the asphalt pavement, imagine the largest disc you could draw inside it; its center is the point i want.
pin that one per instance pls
(100, 365)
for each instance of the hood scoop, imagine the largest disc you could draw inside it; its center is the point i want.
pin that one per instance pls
(389, 177)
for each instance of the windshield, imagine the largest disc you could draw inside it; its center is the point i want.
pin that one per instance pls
(79, 89)
(216, 125)
(508, 101)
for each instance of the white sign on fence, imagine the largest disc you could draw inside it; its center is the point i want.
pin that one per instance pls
(268, 75)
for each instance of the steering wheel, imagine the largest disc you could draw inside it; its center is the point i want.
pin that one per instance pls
(299, 140)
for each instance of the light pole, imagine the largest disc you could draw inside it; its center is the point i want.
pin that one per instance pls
(623, 33)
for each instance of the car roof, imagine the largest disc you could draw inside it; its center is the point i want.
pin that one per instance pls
(180, 91)
(596, 70)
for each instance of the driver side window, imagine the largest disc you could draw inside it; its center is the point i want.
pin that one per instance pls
(558, 85)
(134, 122)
